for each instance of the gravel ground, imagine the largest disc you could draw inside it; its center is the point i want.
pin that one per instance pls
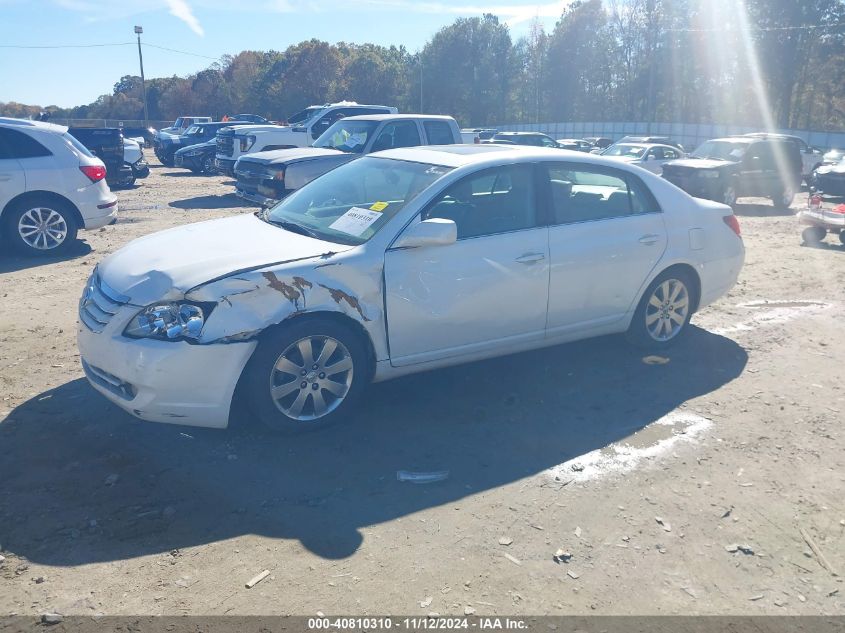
(679, 488)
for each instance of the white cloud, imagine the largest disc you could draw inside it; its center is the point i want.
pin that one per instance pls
(180, 9)
(512, 14)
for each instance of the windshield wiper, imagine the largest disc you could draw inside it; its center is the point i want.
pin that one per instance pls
(293, 227)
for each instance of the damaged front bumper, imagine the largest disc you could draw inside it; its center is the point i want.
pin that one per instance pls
(174, 382)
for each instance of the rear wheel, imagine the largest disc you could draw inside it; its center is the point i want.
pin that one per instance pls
(784, 199)
(306, 375)
(40, 226)
(664, 311)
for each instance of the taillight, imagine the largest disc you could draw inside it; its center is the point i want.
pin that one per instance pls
(95, 173)
(733, 223)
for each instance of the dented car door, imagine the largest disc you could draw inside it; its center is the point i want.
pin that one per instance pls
(487, 290)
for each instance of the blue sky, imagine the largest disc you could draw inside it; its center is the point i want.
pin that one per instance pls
(210, 28)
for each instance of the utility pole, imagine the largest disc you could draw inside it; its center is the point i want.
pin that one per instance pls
(138, 31)
(421, 83)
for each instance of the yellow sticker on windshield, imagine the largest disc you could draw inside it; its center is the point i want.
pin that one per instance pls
(379, 206)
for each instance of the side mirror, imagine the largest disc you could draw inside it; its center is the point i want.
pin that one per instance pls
(433, 232)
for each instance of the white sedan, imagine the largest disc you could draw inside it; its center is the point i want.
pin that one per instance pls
(650, 156)
(399, 262)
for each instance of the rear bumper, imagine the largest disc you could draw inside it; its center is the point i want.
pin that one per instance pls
(97, 205)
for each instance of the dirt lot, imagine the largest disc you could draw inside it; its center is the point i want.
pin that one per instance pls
(648, 474)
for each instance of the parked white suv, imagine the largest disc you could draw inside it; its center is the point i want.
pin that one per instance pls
(305, 128)
(50, 187)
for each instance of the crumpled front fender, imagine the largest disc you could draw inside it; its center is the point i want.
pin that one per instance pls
(250, 302)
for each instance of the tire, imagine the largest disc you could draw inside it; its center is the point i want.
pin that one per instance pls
(23, 218)
(208, 167)
(784, 198)
(648, 328)
(729, 196)
(277, 364)
(814, 234)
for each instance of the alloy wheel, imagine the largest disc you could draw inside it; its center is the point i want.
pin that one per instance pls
(311, 378)
(729, 197)
(42, 228)
(667, 310)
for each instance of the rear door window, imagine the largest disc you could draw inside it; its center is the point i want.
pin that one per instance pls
(20, 145)
(438, 133)
(586, 193)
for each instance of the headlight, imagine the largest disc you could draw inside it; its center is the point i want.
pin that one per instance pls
(168, 321)
(709, 174)
(247, 142)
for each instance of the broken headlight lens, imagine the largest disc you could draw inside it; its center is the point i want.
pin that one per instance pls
(168, 321)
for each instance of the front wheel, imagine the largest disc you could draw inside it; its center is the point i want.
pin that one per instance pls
(306, 375)
(664, 311)
(814, 234)
(729, 196)
(208, 167)
(40, 227)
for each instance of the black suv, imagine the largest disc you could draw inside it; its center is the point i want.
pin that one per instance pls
(725, 169)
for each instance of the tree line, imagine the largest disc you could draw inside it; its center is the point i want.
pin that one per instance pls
(721, 61)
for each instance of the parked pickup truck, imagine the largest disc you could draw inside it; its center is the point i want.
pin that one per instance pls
(304, 128)
(267, 177)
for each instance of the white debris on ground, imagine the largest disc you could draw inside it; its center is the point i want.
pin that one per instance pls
(648, 443)
(769, 313)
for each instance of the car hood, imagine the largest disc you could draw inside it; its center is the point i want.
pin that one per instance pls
(285, 156)
(165, 265)
(838, 169)
(699, 163)
(212, 144)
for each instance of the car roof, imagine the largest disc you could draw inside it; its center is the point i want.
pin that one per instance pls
(521, 134)
(736, 139)
(480, 154)
(397, 117)
(40, 126)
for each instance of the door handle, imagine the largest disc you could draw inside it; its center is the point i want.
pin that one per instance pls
(649, 239)
(531, 258)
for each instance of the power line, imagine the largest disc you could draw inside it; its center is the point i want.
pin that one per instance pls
(173, 50)
(60, 46)
(68, 45)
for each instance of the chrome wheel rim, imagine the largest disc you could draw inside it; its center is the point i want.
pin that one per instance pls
(311, 378)
(42, 228)
(667, 310)
(730, 196)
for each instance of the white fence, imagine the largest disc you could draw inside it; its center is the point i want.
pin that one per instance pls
(690, 135)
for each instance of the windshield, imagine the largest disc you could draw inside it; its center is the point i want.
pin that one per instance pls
(623, 149)
(351, 203)
(347, 136)
(304, 115)
(721, 150)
